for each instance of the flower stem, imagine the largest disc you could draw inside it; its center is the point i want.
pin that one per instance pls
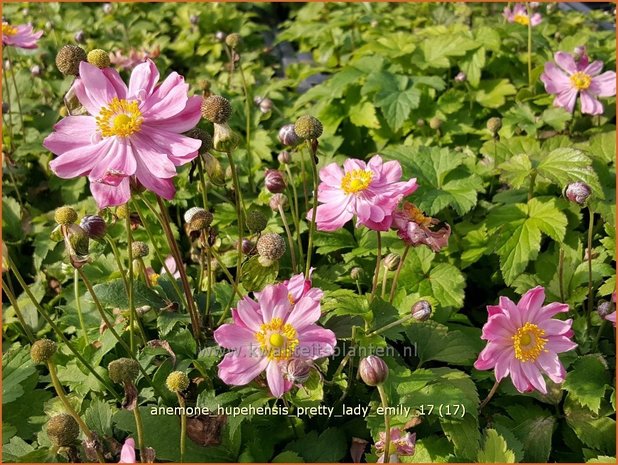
(490, 395)
(129, 282)
(290, 239)
(183, 426)
(561, 273)
(384, 280)
(295, 215)
(139, 426)
(200, 169)
(10, 112)
(304, 177)
(387, 424)
(388, 326)
(57, 330)
(69, 408)
(378, 263)
(529, 45)
(209, 287)
(78, 306)
(239, 215)
(595, 343)
(396, 277)
(313, 155)
(6, 289)
(17, 98)
(590, 230)
(247, 127)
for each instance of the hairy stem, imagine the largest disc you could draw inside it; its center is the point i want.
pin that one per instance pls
(314, 165)
(396, 277)
(387, 424)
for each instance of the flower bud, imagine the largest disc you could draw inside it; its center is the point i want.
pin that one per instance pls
(80, 37)
(266, 105)
(204, 136)
(216, 109)
(225, 140)
(420, 123)
(579, 52)
(177, 381)
(391, 261)
(461, 77)
(98, 58)
(62, 429)
(278, 201)
(373, 370)
(284, 157)
(435, 123)
(494, 124)
(65, 215)
(274, 181)
(123, 370)
(5, 108)
(421, 310)
(578, 192)
(194, 19)
(356, 273)
(79, 241)
(220, 36)
(298, 370)
(42, 350)
(198, 218)
(35, 71)
(247, 246)
(256, 221)
(68, 59)
(213, 169)
(308, 127)
(288, 137)
(139, 249)
(94, 226)
(270, 248)
(233, 40)
(605, 308)
(107, 8)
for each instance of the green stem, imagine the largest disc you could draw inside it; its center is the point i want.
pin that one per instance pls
(183, 426)
(304, 178)
(378, 263)
(20, 316)
(595, 343)
(561, 273)
(247, 127)
(295, 214)
(200, 169)
(531, 186)
(209, 288)
(140, 432)
(490, 395)
(58, 331)
(529, 45)
(313, 155)
(227, 274)
(69, 408)
(387, 424)
(17, 98)
(10, 112)
(129, 282)
(384, 280)
(239, 215)
(78, 306)
(290, 239)
(384, 328)
(590, 231)
(396, 277)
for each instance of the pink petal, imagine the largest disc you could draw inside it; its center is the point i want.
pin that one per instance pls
(555, 80)
(111, 196)
(532, 301)
(331, 217)
(566, 100)
(234, 337)
(169, 99)
(127, 454)
(152, 156)
(566, 62)
(559, 344)
(306, 311)
(603, 85)
(247, 314)
(534, 376)
(178, 148)
(181, 122)
(274, 302)
(536, 19)
(550, 364)
(163, 187)
(315, 342)
(118, 160)
(555, 327)
(352, 164)
(550, 310)
(238, 370)
(275, 380)
(116, 81)
(79, 161)
(332, 175)
(97, 87)
(520, 381)
(594, 68)
(143, 79)
(71, 133)
(589, 104)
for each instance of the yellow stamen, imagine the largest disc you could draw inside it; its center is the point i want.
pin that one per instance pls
(120, 118)
(581, 80)
(528, 342)
(416, 214)
(154, 279)
(356, 181)
(8, 30)
(522, 19)
(277, 339)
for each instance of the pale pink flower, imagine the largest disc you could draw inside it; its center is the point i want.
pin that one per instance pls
(568, 78)
(268, 333)
(519, 15)
(415, 229)
(130, 132)
(401, 445)
(370, 191)
(133, 58)
(21, 36)
(524, 341)
(127, 454)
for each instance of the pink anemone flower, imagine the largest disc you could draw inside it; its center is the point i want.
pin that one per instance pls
(22, 36)
(415, 229)
(132, 132)
(370, 191)
(567, 78)
(401, 445)
(268, 333)
(127, 454)
(519, 15)
(524, 341)
(612, 316)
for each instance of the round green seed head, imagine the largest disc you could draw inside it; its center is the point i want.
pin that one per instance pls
(98, 58)
(494, 124)
(42, 350)
(233, 40)
(122, 211)
(205, 137)
(271, 246)
(68, 59)
(123, 370)
(65, 215)
(435, 123)
(62, 429)
(140, 249)
(308, 128)
(177, 381)
(216, 109)
(256, 221)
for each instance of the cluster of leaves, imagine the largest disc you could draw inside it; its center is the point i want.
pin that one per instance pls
(376, 91)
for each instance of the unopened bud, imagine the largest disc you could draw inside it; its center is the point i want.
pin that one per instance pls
(194, 19)
(177, 381)
(94, 226)
(247, 246)
(35, 71)
(284, 157)
(233, 40)
(298, 370)
(579, 52)
(220, 36)
(42, 350)
(225, 140)
(435, 123)
(578, 192)
(606, 308)
(356, 273)
(421, 310)
(461, 77)
(80, 37)
(278, 201)
(494, 124)
(274, 181)
(373, 370)
(288, 137)
(266, 105)
(107, 8)
(198, 218)
(391, 261)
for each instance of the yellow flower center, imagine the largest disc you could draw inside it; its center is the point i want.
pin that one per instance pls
(154, 279)
(8, 30)
(581, 80)
(277, 339)
(356, 181)
(529, 342)
(120, 118)
(522, 19)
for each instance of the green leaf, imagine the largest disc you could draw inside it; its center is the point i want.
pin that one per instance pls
(495, 449)
(565, 165)
(434, 341)
(287, 457)
(586, 381)
(472, 65)
(11, 219)
(493, 93)
(395, 97)
(438, 49)
(17, 366)
(364, 114)
(256, 276)
(330, 446)
(516, 170)
(98, 416)
(447, 285)
(602, 146)
(595, 431)
(113, 295)
(465, 436)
